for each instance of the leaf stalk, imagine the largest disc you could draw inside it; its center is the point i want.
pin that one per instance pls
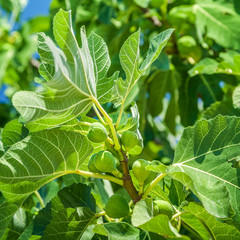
(153, 184)
(117, 145)
(40, 199)
(101, 176)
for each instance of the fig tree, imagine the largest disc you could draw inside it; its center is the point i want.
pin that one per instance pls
(163, 207)
(129, 140)
(139, 170)
(117, 206)
(97, 133)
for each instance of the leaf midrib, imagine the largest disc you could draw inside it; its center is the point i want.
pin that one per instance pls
(206, 153)
(207, 173)
(79, 54)
(204, 12)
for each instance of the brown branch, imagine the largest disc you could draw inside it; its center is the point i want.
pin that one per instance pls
(127, 180)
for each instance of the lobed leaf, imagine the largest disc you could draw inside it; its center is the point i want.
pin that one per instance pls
(204, 154)
(36, 160)
(75, 77)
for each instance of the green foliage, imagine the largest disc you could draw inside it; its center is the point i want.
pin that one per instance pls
(102, 106)
(162, 207)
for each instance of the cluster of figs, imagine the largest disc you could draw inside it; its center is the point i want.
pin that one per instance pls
(106, 161)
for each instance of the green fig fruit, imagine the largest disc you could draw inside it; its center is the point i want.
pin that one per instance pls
(166, 160)
(106, 162)
(187, 46)
(117, 206)
(91, 164)
(129, 140)
(97, 133)
(163, 207)
(139, 171)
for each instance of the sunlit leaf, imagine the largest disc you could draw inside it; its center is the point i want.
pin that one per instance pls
(204, 154)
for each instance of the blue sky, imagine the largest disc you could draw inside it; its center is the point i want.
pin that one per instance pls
(35, 8)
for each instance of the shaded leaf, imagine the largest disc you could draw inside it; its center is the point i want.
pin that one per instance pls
(13, 132)
(219, 230)
(117, 231)
(68, 224)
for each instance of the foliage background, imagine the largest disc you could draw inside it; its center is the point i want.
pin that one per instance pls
(194, 78)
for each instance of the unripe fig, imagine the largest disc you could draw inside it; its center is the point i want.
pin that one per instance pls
(117, 206)
(187, 46)
(91, 164)
(129, 140)
(166, 160)
(97, 133)
(139, 170)
(105, 162)
(163, 207)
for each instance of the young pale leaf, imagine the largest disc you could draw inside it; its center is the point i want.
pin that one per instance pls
(1, 143)
(132, 123)
(101, 61)
(236, 97)
(65, 101)
(129, 59)
(25, 167)
(204, 153)
(76, 76)
(17, 229)
(219, 230)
